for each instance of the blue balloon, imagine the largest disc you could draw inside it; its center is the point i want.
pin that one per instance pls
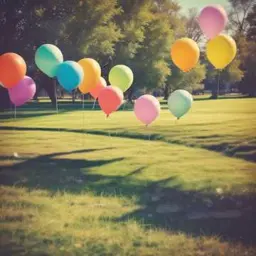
(47, 58)
(70, 74)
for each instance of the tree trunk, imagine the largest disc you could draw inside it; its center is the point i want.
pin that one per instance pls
(73, 96)
(166, 91)
(216, 88)
(50, 87)
(130, 94)
(5, 102)
(214, 95)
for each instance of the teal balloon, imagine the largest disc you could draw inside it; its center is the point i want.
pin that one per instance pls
(121, 76)
(69, 75)
(180, 102)
(47, 58)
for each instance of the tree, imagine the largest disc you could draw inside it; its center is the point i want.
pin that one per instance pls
(145, 42)
(244, 29)
(221, 80)
(26, 25)
(190, 81)
(192, 28)
(238, 15)
(90, 28)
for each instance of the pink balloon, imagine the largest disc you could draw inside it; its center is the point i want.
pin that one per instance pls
(147, 109)
(110, 99)
(96, 90)
(23, 91)
(212, 20)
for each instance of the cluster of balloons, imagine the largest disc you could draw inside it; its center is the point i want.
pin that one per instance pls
(220, 49)
(13, 69)
(86, 76)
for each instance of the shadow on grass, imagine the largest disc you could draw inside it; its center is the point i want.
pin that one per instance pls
(170, 208)
(246, 152)
(45, 108)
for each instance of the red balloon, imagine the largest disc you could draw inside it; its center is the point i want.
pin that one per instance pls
(12, 69)
(110, 99)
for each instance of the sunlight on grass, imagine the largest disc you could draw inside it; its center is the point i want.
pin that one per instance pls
(113, 187)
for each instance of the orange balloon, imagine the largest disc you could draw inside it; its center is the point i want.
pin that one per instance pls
(185, 54)
(96, 90)
(12, 69)
(92, 73)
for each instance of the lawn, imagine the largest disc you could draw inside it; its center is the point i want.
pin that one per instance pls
(76, 183)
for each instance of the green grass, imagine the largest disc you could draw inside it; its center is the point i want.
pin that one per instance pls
(86, 185)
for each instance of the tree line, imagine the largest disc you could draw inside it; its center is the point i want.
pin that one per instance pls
(137, 33)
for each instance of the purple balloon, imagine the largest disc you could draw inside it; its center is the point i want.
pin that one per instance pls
(23, 91)
(212, 20)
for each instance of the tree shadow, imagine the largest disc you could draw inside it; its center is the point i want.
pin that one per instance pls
(226, 149)
(53, 173)
(196, 213)
(170, 208)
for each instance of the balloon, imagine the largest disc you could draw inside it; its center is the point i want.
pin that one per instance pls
(12, 69)
(212, 20)
(92, 73)
(185, 54)
(99, 86)
(147, 109)
(121, 76)
(23, 91)
(221, 50)
(70, 74)
(110, 99)
(48, 57)
(179, 102)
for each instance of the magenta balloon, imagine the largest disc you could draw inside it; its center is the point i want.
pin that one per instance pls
(212, 20)
(147, 109)
(23, 91)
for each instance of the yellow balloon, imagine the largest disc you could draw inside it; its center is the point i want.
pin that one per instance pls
(92, 74)
(221, 50)
(185, 54)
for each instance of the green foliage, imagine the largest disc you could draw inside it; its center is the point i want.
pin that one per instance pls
(243, 26)
(190, 81)
(91, 30)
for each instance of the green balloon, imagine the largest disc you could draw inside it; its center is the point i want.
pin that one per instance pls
(121, 76)
(48, 57)
(180, 102)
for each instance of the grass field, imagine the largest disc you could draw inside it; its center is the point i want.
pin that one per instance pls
(76, 183)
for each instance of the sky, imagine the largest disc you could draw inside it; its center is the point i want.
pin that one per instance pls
(187, 4)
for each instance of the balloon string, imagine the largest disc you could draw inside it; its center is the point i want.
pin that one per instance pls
(124, 105)
(15, 113)
(83, 101)
(218, 85)
(56, 98)
(94, 103)
(83, 117)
